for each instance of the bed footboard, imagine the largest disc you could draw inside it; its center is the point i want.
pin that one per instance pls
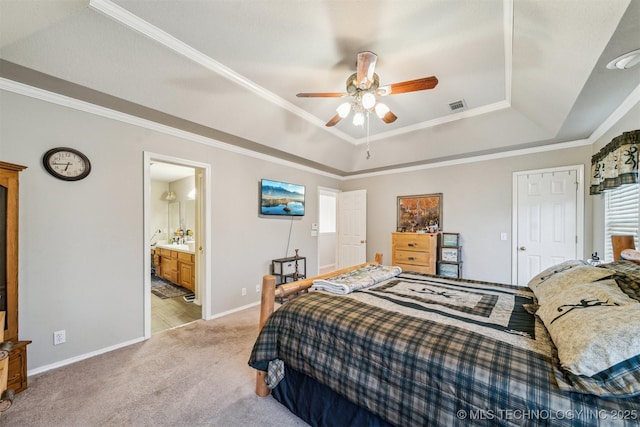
(270, 292)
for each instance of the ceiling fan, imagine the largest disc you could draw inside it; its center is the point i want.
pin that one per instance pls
(364, 87)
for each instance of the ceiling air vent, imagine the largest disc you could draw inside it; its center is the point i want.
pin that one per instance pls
(457, 106)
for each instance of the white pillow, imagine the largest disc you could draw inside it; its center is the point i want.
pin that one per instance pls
(593, 325)
(564, 275)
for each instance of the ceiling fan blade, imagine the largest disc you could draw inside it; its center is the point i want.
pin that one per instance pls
(365, 68)
(321, 95)
(408, 86)
(335, 119)
(389, 117)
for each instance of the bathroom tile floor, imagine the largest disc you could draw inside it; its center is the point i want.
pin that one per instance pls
(171, 312)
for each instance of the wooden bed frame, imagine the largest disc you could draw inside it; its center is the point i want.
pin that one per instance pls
(270, 292)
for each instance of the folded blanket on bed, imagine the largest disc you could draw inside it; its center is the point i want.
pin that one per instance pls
(357, 279)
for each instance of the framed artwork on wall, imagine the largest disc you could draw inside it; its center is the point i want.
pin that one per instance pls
(423, 212)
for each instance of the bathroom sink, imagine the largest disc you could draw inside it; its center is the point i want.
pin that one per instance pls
(185, 248)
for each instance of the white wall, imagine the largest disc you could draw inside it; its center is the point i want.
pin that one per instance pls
(477, 202)
(477, 199)
(81, 243)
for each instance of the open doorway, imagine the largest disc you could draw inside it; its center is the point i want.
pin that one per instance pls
(175, 238)
(327, 237)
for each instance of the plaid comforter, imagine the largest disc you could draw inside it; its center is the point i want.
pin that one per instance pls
(422, 350)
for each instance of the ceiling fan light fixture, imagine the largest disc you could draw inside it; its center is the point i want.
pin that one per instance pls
(368, 100)
(358, 119)
(343, 109)
(381, 109)
(626, 61)
(363, 87)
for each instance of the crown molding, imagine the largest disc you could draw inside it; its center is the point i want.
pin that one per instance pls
(87, 107)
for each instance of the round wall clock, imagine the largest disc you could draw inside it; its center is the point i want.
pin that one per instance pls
(66, 163)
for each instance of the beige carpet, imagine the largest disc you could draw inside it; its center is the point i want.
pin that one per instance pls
(195, 375)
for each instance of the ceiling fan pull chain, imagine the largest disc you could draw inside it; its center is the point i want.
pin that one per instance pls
(368, 152)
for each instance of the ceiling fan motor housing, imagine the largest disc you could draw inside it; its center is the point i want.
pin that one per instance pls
(352, 86)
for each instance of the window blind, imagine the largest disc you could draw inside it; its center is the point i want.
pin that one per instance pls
(622, 207)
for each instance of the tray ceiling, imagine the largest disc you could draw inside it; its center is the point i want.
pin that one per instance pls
(530, 73)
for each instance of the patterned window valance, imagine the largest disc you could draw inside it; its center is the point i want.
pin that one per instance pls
(616, 163)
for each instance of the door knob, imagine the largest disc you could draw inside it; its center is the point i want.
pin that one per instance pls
(522, 248)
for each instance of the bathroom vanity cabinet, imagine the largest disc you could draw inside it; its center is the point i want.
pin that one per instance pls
(175, 266)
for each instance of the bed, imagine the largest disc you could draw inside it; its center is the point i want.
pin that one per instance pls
(415, 349)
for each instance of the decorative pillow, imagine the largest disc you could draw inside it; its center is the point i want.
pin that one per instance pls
(564, 275)
(627, 277)
(596, 330)
(631, 255)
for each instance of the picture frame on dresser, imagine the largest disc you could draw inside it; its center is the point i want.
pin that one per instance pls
(419, 212)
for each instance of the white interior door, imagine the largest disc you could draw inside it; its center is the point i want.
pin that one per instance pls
(352, 228)
(547, 220)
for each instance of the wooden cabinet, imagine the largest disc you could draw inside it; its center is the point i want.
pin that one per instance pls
(17, 379)
(169, 265)
(9, 197)
(414, 251)
(186, 270)
(176, 266)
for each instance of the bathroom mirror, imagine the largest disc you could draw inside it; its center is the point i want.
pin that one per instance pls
(189, 214)
(174, 218)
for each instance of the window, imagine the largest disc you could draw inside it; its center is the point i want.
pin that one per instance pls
(621, 215)
(327, 212)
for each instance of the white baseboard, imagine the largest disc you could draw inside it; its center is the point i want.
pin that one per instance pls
(82, 357)
(224, 313)
(75, 359)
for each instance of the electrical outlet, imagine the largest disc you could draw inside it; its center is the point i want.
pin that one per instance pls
(258, 286)
(59, 337)
(244, 292)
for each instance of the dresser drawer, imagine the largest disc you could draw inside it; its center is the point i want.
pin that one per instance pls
(414, 242)
(410, 257)
(417, 268)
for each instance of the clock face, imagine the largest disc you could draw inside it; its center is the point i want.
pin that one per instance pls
(66, 164)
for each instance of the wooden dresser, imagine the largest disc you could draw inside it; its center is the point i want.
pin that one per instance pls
(414, 252)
